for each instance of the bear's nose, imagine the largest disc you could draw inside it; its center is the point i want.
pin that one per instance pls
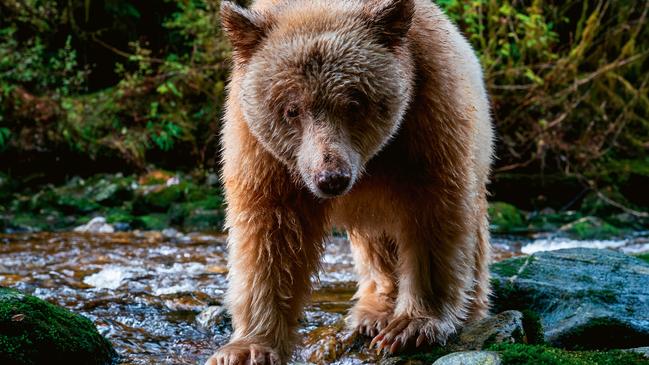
(332, 182)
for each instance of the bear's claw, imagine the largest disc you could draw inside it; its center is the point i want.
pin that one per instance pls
(405, 331)
(368, 323)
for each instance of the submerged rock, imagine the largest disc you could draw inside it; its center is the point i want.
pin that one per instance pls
(586, 298)
(33, 331)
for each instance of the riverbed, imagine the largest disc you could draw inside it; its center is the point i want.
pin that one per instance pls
(145, 290)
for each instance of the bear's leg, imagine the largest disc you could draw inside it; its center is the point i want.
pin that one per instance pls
(435, 275)
(375, 262)
(479, 307)
(273, 251)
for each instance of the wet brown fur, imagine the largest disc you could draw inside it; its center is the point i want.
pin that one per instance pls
(416, 215)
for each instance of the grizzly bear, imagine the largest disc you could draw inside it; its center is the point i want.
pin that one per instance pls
(370, 116)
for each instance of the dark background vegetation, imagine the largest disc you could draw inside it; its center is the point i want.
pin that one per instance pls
(106, 86)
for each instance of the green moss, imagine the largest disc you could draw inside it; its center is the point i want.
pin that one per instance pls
(507, 296)
(510, 267)
(152, 222)
(506, 217)
(202, 215)
(644, 257)
(551, 221)
(520, 354)
(30, 221)
(109, 190)
(119, 216)
(205, 220)
(33, 331)
(159, 200)
(533, 327)
(618, 171)
(74, 204)
(590, 228)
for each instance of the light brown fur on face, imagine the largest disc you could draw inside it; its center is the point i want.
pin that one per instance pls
(370, 115)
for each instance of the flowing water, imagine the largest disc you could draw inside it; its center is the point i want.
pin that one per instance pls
(145, 290)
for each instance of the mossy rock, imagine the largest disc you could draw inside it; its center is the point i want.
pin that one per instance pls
(152, 222)
(110, 190)
(548, 220)
(119, 216)
(68, 199)
(206, 214)
(521, 354)
(585, 298)
(505, 217)
(159, 200)
(204, 220)
(72, 204)
(28, 222)
(591, 228)
(33, 331)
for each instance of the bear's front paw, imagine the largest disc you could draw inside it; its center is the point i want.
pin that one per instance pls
(368, 321)
(404, 331)
(244, 353)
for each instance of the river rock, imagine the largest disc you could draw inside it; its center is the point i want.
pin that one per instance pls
(586, 298)
(33, 331)
(470, 358)
(327, 344)
(505, 327)
(214, 316)
(96, 225)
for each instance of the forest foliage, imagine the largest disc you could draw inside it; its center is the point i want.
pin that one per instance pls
(143, 82)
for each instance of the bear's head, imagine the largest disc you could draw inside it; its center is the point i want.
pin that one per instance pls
(324, 83)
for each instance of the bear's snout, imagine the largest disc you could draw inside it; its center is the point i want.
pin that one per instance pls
(333, 182)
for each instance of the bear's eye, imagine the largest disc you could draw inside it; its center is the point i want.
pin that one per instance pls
(356, 102)
(292, 112)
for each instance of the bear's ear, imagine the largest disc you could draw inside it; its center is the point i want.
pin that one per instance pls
(391, 18)
(245, 29)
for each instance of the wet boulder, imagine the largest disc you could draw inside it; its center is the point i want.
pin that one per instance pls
(586, 298)
(33, 331)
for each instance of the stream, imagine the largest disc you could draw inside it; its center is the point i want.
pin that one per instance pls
(145, 290)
